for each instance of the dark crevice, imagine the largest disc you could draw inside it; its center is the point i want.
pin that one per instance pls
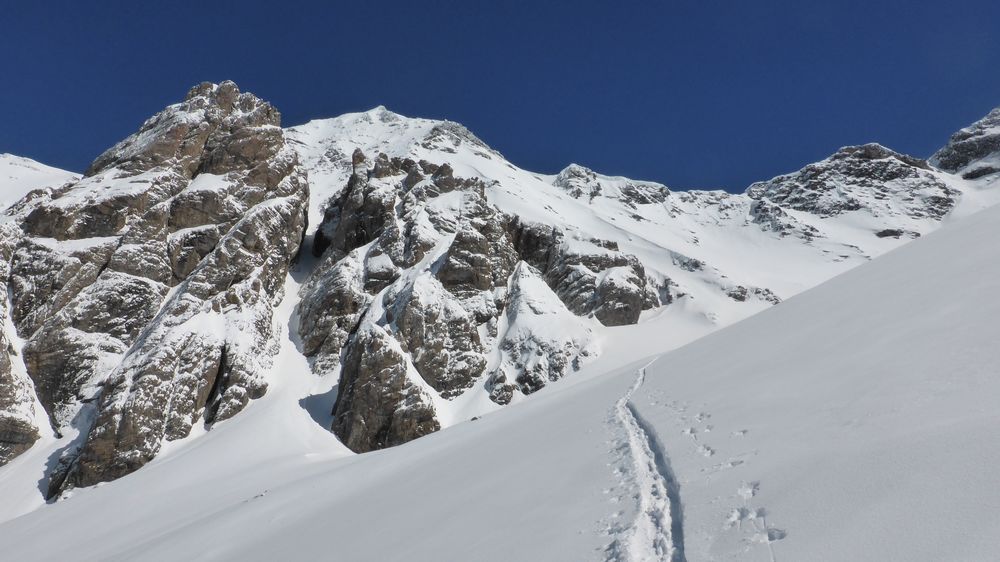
(218, 387)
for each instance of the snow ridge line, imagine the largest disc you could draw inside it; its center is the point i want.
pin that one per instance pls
(657, 532)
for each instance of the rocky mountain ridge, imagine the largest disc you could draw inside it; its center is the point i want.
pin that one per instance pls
(144, 290)
(973, 151)
(440, 280)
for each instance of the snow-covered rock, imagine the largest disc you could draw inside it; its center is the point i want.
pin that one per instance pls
(21, 417)
(974, 151)
(144, 291)
(417, 268)
(540, 340)
(869, 178)
(584, 182)
(398, 194)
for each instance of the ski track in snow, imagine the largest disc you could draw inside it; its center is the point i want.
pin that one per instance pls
(657, 531)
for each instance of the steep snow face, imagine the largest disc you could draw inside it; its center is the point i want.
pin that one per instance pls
(839, 425)
(20, 176)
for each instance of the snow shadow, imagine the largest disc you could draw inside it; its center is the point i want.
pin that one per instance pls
(320, 407)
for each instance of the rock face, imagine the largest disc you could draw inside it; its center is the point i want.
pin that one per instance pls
(18, 418)
(230, 234)
(584, 182)
(378, 404)
(17, 435)
(145, 290)
(414, 286)
(973, 151)
(869, 177)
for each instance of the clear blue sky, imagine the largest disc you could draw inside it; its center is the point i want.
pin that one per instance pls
(695, 93)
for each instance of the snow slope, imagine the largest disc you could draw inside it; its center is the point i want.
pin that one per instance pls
(19, 176)
(856, 421)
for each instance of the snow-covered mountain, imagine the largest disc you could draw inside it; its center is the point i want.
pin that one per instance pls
(838, 425)
(216, 294)
(482, 280)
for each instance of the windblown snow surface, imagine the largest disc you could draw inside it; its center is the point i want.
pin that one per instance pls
(854, 421)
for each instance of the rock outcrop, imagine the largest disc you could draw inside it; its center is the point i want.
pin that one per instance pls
(18, 418)
(584, 182)
(228, 235)
(145, 290)
(542, 342)
(869, 177)
(379, 404)
(414, 287)
(973, 151)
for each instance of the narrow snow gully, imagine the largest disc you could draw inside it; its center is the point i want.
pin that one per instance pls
(657, 531)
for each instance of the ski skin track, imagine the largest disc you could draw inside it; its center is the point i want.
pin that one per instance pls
(657, 533)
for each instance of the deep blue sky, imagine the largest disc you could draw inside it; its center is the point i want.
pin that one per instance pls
(695, 93)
